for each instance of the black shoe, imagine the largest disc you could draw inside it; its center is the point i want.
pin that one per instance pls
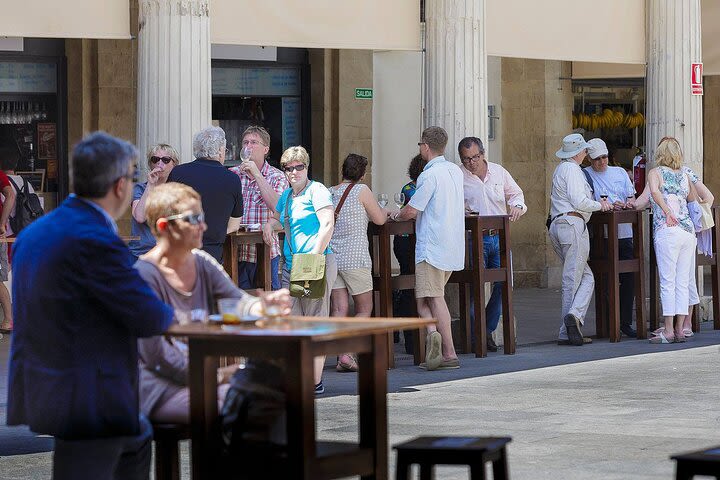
(628, 331)
(491, 345)
(319, 388)
(572, 325)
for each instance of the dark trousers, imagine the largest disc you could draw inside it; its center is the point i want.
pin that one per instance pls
(112, 458)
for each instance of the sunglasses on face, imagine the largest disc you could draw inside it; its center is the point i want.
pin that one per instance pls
(191, 218)
(165, 160)
(298, 168)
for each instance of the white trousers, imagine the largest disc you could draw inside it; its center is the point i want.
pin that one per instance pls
(675, 254)
(570, 240)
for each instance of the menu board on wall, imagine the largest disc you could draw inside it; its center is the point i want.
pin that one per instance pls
(46, 138)
(256, 81)
(290, 122)
(26, 77)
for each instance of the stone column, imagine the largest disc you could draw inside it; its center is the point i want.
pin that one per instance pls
(174, 96)
(456, 70)
(674, 43)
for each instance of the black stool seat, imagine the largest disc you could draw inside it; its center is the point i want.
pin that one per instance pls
(702, 462)
(167, 454)
(472, 451)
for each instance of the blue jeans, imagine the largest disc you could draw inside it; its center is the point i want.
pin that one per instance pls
(491, 257)
(248, 270)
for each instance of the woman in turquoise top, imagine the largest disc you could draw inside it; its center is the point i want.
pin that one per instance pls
(310, 220)
(674, 237)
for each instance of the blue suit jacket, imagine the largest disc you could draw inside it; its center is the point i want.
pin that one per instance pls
(79, 308)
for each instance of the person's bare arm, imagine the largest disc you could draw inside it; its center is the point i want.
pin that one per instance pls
(233, 224)
(375, 213)
(326, 217)
(273, 225)
(406, 213)
(704, 193)
(9, 194)
(643, 200)
(269, 195)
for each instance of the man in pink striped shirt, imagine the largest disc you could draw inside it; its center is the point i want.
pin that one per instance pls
(489, 190)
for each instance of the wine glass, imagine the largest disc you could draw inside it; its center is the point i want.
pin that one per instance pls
(382, 199)
(399, 199)
(245, 153)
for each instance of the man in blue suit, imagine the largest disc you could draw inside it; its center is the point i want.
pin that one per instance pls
(79, 308)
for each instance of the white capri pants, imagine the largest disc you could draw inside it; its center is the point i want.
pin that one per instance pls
(675, 253)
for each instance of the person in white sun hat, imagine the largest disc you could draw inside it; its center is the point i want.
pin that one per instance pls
(571, 205)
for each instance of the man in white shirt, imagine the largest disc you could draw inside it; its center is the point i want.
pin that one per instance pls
(440, 243)
(489, 189)
(615, 184)
(571, 205)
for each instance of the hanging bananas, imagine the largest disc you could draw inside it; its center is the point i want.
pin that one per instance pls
(607, 119)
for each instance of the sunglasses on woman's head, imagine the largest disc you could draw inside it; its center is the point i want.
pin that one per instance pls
(299, 168)
(191, 218)
(165, 160)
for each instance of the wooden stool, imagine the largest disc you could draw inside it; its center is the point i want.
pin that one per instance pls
(167, 452)
(703, 462)
(473, 451)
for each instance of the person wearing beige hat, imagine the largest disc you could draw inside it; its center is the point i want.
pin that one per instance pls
(571, 205)
(614, 184)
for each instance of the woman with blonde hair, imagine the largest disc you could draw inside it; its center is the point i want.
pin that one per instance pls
(161, 159)
(674, 236)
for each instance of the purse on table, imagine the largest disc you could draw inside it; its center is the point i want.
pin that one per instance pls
(307, 275)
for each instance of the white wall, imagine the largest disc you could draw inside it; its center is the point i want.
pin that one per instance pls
(494, 147)
(397, 117)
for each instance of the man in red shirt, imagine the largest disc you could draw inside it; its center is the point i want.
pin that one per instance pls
(6, 208)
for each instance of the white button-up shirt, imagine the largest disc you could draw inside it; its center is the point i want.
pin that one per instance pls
(490, 195)
(571, 191)
(440, 224)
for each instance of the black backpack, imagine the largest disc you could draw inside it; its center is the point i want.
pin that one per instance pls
(27, 207)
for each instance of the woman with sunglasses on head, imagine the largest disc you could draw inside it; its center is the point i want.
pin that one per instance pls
(188, 279)
(161, 159)
(307, 209)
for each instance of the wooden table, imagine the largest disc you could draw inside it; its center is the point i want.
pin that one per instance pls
(605, 263)
(701, 260)
(297, 340)
(384, 282)
(230, 257)
(475, 275)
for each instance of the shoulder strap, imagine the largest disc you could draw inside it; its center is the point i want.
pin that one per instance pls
(342, 199)
(589, 180)
(17, 189)
(286, 224)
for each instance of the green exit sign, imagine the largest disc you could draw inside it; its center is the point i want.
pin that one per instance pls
(364, 93)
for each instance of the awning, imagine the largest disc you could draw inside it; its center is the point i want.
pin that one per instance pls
(66, 19)
(579, 30)
(370, 24)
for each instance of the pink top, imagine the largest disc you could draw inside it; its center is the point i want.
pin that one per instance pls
(492, 194)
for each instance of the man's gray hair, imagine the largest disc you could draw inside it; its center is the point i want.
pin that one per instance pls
(209, 143)
(97, 162)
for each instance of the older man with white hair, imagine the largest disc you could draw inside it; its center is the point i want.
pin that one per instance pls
(614, 184)
(571, 205)
(220, 189)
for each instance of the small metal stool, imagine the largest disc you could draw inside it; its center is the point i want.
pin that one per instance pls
(473, 451)
(702, 462)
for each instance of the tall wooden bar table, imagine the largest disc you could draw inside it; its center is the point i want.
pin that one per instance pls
(476, 275)
(701, 260)
(296, 341)
(230, 257)
(383, 280)
(605, 263)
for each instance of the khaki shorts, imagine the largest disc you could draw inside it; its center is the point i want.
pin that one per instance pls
(357, 280)
(430, 281)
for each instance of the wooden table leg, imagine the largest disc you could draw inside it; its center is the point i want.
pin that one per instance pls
(465, 339)
(300, 410)
(613, 282)
(640, 286)
(507, 303)
(263, 275)
(386, 307)
(479, 292)
(372, 387)
(203, 409)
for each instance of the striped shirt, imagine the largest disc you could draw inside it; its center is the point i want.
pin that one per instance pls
(254, 208)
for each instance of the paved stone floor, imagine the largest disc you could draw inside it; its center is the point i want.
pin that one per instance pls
(610, 411)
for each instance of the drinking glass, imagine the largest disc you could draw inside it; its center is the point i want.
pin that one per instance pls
(383, 199)
(229, 309)
(399, 199)
(245, 153)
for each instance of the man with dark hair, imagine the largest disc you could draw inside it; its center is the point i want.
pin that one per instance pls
(7, 157)
(262, 185)
(489, 190)
(440, 243)
(80, 307)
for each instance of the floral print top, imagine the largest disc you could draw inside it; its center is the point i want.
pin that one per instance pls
(675, 188)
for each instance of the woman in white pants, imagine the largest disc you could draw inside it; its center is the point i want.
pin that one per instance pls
(674, 237)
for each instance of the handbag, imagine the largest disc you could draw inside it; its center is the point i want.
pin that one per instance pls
(307, 275)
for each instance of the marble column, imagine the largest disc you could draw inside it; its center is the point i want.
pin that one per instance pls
(174, 91)
(673, 44)
(456, 70)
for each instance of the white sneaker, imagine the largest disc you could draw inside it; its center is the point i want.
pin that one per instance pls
(433, 350)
